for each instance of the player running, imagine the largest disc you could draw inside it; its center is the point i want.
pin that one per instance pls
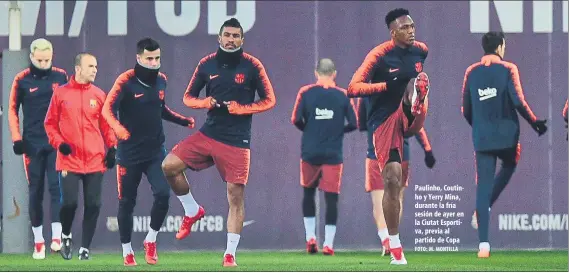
(396, 110)
(322, 107)
(491, 95)
(373, 180)
(231, 78)
(32, 89)
(138, 97)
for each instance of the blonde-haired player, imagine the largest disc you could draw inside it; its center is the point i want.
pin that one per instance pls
(32, 89)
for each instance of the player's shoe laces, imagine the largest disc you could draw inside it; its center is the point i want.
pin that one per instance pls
(311, 246)
(55, 245)
(422, 85)
(229, 261)
(66, 248)
(328, 251)
(385, 247)
(129, 260)
(186, 226)
(397, 256)
(151, 256)
(39, 251)
(84, 255)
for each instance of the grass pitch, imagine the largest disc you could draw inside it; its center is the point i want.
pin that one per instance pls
(299, 261)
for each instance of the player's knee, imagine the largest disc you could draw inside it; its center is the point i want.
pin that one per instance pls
(172, 165)
(127, 204)
(162, 200)
(235, 193)
(69, 205)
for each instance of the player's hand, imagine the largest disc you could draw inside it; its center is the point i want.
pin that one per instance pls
(110, 159)
(64, 148)
(213, 103)
(232, 107)
(430, 159)
(122, 134)
(18, 147)
(191, 122)
(540, 127)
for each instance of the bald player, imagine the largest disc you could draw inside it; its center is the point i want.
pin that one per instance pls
(322, 107)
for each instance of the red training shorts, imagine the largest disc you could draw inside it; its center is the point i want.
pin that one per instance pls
(200, 152)
(374, 180)
(389, 135)
(328, 177)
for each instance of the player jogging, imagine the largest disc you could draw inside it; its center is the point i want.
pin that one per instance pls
(491, 95)
(373, 180)
(76, 128)
(396, 110)
(32, 89)
(322, 107)
(231, 78)
(138, 97)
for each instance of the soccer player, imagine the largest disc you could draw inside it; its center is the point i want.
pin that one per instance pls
(76, 128)
(32, 89)
(231, 78)
(322, 107)
(492, 93)
(138, 97)
(373, 180)
(395, 109)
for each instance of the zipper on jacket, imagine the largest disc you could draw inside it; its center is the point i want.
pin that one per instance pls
(83, 132)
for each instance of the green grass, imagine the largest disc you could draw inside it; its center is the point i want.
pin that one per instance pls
(298, 261)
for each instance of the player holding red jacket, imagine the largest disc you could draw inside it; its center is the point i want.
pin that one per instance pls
(76, 128)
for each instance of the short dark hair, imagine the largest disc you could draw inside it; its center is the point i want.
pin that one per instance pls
(394, 14)
(79, 57)
(148, 44)
(492, 40)
(231, 23)
(325, 67)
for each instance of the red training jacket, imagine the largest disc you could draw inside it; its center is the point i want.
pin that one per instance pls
(74, 117)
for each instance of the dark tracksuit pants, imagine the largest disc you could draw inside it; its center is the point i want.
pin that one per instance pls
(92, 187)
(38, 166)
(128, 179)
(489, 186)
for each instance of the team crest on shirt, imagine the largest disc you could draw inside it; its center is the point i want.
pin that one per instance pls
(240, 78)
(93, 103)
(54, 86)
(419, 67)
(161, 94)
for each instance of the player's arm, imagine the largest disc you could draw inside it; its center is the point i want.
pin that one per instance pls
(359, 85)
(565, 111)
(195, 86)
(108, 134)
(265, 91)
(516, 93)
(51, 123)
(426, 145)
(362, 114)
(422, 138)
(16, 98)
(112, 105)
(466, 107)
(170, 115)
(297, 118)
(350, 117)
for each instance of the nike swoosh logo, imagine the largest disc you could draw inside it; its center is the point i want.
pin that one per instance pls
(246, 223)
(391, 70)
(34, 89)
(138, 95)
(211, 77)
(17, 209)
